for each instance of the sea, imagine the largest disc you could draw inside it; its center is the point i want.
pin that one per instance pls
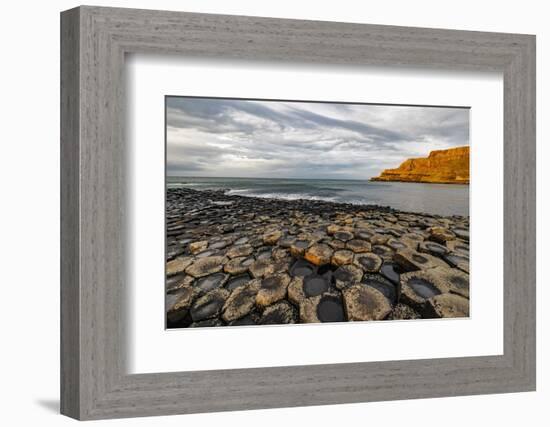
(435, 199)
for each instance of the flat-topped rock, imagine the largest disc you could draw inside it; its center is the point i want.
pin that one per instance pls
(365, 303)
(205, 266)
(448, 305)
(209, 305)
(272, 289)
(319, 254)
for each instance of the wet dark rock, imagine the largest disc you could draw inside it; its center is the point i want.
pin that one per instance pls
(347, 275)
(365, 303)
(286, 242)
(314, 285)
(458, 261)
(383, 285)
(209, 305)
(208, 283)
(272, 289)
(177, 307)
(175, 283)
(369, 262)
(302, 268)
(279, 314)
(396, 244)
(249, 320)
(326, 308)
(391, 271)
(237, 281)
(418, 287)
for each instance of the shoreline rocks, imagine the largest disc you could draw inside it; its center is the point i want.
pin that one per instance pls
(242, 261)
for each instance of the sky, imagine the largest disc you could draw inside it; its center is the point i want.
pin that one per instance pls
(209, 137)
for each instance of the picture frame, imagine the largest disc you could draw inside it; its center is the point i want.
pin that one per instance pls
(94, 381)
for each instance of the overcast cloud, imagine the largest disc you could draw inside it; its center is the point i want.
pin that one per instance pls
(271, 139)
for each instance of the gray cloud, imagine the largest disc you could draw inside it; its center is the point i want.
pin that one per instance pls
(222, 137)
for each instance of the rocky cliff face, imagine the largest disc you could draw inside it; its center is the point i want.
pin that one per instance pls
(450, 166)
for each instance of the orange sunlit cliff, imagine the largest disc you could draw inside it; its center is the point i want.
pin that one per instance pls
(450, 166)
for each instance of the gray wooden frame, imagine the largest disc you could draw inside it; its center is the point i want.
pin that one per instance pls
(94, 41)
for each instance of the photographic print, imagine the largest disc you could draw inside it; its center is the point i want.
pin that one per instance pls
(292, 212)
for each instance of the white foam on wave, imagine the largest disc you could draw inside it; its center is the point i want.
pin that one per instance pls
(280, 196)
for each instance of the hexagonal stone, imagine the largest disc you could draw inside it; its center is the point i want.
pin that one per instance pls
(347, 275)
(441, 234)
(251, 319)
(462, 233)
(261, 268)
(208, 283)
(403, 312)
(336, 244)
(239, 251)
(295, 290)
(332, 228)
(197, 247)
(369, 262)
(318, 254)
(240, 303)
(286, 242)
(279, 314)
(235, 266)
(220, 244)
(447, 306)
(205, 266)
(432, 248)
(207, 323)
(279, 254)
(209, 305)
(272, 289)
(379, 239)
(396, 244)
(417, 287)
(358, 246)
(298, 248)
(175, 283)
(409, 260)
(365, 303)
(391, 271)
(302, 268)
(342, 257)
(178, 265)
(326, 308)
(458, 247)
(271, 237)
(177, 308)
(343, 235)
(383, 252)
(380, 283)
(461, 262)
(457, 281)
(236, 281)
(314, 285)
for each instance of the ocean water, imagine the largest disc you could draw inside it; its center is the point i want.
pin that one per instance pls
(439, 199)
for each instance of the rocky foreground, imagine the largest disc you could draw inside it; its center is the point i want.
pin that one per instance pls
(235, 260)
(450, 166)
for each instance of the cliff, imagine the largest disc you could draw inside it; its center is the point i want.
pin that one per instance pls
(450, 166)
